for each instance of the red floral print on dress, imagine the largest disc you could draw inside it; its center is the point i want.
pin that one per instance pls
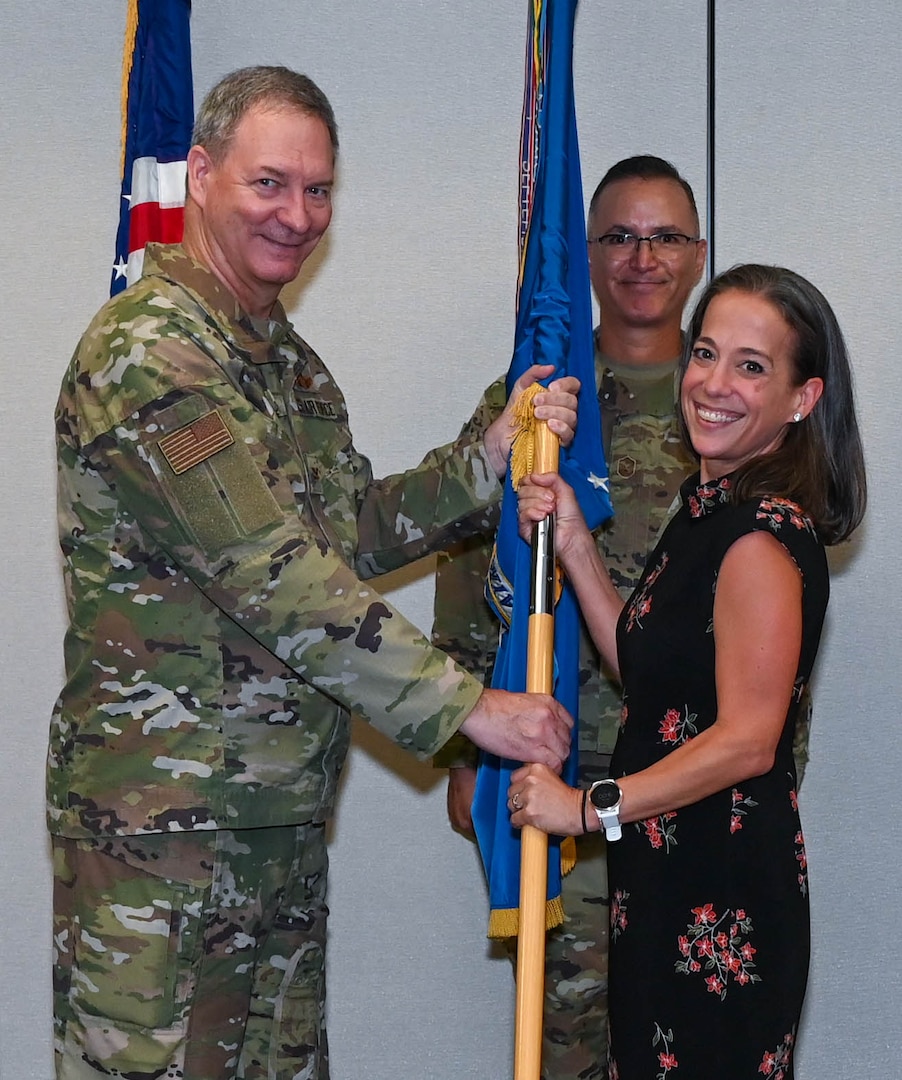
(715, 943)
(677, 727)
(776, 512)
(775, 1066)
(667, 1060)
(619, 920)
(660, 830)
(801, 854)
(709, 496)
(802, 860)
(737, 813)
(640, 603)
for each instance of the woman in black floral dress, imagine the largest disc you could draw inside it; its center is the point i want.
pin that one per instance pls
(709, 888)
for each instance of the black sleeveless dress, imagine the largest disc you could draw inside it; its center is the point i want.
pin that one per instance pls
(709, 903)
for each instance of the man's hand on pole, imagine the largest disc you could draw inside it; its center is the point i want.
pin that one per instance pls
(524, 727)
(556, 405)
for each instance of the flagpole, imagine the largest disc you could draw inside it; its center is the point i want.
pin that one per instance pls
(709, 141)
(554, 326)
(534, 842)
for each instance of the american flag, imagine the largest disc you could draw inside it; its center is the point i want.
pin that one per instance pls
(158, 114)
(195, 442)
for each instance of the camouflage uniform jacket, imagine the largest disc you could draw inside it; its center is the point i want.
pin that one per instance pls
(216, 525)
(647, 463)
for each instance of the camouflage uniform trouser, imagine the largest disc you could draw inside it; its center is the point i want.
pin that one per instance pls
(575, 1036)
(195, 955)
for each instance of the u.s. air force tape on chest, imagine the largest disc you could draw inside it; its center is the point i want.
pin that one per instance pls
(215, 483)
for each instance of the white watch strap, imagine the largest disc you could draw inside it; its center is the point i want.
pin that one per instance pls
(610, 822)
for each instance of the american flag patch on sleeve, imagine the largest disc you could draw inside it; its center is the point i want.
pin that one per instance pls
(195, 442)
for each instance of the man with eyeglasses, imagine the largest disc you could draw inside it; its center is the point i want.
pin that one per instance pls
(645, 257)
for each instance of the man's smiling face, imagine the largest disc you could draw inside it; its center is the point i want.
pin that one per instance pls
(266, 204)
(643, 286)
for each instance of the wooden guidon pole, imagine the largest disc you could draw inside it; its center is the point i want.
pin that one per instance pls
(534, 843)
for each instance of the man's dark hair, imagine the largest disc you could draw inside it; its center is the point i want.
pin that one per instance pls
(272, 87)
(820, 462)
(643, 167)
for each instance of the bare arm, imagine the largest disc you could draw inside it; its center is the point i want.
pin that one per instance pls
(757, 636)
(757, 641)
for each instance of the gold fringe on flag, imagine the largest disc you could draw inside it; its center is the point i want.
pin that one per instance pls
(505, 922)
(523, 450)
(131, 31)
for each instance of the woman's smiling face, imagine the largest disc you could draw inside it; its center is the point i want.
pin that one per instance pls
(738, 393)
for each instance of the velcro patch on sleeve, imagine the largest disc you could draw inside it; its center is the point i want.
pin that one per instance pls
(195, 442)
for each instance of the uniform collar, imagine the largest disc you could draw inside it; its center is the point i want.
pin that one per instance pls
(258, 338)
(636, 388)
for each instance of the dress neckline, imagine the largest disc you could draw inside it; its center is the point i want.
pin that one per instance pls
(704, 499)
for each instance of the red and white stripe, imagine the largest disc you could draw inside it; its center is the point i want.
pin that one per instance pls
(157, 208)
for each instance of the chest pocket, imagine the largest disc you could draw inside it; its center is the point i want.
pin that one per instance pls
(323, 437)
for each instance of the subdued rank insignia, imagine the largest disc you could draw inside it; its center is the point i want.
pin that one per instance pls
(626, 467)
(315, 406)
(195, 442)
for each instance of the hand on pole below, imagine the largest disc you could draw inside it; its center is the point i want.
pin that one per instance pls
(461, 786)
(523, 727)
(556, 405)
(537, 796)
(546, 493)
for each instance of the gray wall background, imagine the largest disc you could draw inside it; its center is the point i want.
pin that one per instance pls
(410, 300)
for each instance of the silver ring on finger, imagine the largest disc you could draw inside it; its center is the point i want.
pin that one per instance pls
(515, 801)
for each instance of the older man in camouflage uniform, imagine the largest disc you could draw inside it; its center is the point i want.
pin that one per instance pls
(218, 526)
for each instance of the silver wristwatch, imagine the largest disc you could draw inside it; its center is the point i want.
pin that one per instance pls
(606, 797)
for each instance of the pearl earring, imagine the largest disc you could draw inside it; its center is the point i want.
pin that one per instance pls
(796, 416)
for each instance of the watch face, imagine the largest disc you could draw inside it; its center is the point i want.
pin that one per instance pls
(605, 795)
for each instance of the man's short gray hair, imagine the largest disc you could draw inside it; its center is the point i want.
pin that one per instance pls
(272, 87)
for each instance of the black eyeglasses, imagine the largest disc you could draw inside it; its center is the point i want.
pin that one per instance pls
(663, 244)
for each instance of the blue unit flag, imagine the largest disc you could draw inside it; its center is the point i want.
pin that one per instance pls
(554, 326)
